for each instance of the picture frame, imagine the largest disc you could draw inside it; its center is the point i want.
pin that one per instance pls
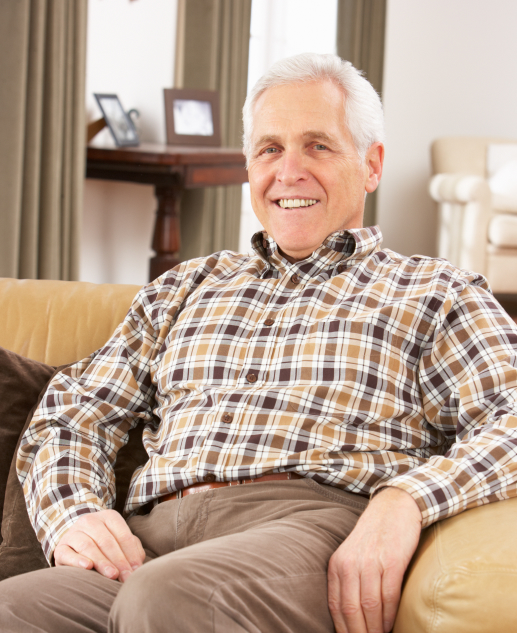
(192, 117)
(118, 120)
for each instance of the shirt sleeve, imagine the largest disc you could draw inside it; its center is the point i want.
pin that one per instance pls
(468, 382)
(65, 461)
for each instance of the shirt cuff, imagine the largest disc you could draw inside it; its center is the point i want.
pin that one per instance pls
(437, 495)
(52, 533)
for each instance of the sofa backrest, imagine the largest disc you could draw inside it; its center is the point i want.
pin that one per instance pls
(58, 322)
(462, 154)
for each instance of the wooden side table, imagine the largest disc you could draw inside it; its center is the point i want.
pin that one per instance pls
(170, 169)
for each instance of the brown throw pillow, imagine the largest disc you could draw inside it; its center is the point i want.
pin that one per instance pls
(21, 382)
(20, 550)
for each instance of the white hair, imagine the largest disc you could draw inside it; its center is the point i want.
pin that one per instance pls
(363, 107)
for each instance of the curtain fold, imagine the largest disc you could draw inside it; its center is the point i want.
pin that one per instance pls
(212, 53)
(42, 136)
(361, 26)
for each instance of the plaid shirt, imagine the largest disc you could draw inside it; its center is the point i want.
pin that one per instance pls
(357, 367)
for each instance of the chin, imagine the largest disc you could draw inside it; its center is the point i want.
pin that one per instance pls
(301, 242)
(298, 250)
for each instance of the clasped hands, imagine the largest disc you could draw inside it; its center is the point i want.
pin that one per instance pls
(364, 574)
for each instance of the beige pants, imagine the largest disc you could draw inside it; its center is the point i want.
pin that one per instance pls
(246, 558)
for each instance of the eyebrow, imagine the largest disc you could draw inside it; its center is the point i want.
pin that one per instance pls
(266, 139)
(273, 138)
(317, 134)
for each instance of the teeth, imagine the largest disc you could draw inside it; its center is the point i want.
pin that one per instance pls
(299, 202)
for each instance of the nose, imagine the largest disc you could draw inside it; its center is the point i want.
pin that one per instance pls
(292, 168)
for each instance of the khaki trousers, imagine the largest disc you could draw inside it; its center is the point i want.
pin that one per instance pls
(246, 558)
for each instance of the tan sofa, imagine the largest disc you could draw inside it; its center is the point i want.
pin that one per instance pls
(464, 574)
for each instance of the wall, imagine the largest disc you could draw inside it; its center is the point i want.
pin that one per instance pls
(449, 70)
(131, 53)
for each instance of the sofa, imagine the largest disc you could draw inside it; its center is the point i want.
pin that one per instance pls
(464, 573)
(477, 227)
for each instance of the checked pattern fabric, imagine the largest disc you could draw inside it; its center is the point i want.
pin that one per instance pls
(357, 367)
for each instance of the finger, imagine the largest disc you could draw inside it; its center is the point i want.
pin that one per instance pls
(110, 549)
(65, 555)
(371, 602)
(97, 543)
(391, 587)
(334, 601)
(130, 544)
(351, 604)
(80, 546)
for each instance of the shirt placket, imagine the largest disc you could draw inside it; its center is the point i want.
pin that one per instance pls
(268, 328)
(227, 417)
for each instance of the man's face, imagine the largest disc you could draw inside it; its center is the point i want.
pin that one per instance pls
(303, 154)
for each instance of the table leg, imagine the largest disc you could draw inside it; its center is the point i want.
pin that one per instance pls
(166, 237)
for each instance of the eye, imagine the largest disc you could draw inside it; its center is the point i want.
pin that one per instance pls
(270, 150)
(320, 147)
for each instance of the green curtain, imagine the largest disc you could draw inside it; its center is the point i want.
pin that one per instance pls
(42, 136)
(212, 53)
(361, 26)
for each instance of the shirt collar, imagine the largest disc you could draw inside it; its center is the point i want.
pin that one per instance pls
(344, 247)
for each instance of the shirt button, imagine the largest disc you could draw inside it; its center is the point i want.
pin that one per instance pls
(264, 243)
(341, 269)
(251, 378)
(269, 322)
(209, 478)
(227, 418)
(295, 279)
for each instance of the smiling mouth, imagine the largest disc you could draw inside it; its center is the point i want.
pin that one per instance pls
(297, 202)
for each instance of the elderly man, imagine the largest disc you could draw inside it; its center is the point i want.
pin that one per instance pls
(283, 388)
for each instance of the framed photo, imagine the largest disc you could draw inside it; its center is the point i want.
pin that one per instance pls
(192, 117)
(119, 122)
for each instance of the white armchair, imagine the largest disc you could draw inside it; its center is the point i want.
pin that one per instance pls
(477, 227)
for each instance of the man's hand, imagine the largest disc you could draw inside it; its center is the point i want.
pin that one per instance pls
(365, 573)
(102, 541)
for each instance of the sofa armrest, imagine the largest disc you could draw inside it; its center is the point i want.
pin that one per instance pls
(458, 188)
(464, 212)
(463, 577)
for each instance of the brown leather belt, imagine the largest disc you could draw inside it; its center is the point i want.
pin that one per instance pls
(201, 487)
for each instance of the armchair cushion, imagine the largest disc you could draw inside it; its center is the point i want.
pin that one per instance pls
(503, 185)
(502, 230)
(21, 380)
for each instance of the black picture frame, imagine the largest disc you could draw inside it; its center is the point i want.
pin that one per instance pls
(192, 117)
(119, 122)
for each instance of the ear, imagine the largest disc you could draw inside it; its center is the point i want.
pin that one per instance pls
(374, 160)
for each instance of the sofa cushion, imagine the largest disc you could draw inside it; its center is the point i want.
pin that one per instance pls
(502, 230)
(503, 185)
(502, 173)
(58, 322)
(21, 381)
(20, 550)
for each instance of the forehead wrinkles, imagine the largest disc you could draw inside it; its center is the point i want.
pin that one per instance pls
(309, 135)
(298, 111)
